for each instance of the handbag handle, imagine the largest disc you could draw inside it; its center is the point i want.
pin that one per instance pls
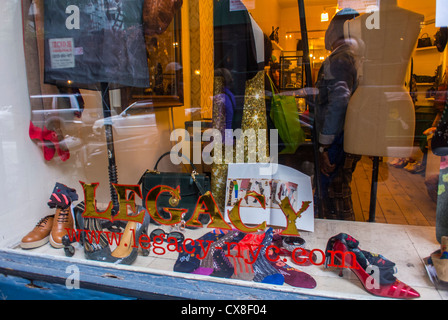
(172, 152)
(193, 173)
(427, 36)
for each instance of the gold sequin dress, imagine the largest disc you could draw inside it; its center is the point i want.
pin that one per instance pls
(254, 118)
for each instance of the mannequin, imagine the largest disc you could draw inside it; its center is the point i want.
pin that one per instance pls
(380, 119)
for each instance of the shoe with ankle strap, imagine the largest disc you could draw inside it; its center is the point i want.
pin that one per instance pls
(375, 272)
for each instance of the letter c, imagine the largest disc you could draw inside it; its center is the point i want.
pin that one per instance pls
(192, 243)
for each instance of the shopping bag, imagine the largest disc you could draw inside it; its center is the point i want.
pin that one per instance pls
(285, 116)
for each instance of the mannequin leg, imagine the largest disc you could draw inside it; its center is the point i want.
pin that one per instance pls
(340, 192)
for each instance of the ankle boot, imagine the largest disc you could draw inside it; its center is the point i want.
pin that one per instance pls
(63, 219)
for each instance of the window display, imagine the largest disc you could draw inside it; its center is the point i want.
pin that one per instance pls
(254, 163)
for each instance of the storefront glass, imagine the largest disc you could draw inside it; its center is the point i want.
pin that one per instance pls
(249, 144)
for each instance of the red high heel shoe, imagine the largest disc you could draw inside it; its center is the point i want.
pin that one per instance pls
(48, 149)
(342, 251)
(49, 135)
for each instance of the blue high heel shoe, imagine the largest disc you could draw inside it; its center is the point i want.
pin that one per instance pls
(96, 244)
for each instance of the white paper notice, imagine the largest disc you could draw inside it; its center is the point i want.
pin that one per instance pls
(285, 182)
(62, 53)
(441, 13)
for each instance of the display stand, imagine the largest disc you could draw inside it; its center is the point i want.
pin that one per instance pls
(308, 84)
(112, 166)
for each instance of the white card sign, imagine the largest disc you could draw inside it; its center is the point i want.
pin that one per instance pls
(62, 53)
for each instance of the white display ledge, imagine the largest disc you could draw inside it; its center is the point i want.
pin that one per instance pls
(151, 277)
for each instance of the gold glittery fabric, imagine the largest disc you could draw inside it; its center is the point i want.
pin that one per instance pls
(219, 108)
(254, 117)
(219, 171)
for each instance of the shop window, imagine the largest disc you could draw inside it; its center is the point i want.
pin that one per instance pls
(97, 95)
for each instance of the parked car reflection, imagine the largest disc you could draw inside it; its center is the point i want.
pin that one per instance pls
(137, 132)
(56, 110)
(134, 121)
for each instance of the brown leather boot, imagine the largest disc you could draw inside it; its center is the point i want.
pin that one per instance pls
(63, 219)
(39, 235)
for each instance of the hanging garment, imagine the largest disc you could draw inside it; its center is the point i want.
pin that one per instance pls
(254, 120)
(235, 49)
(88, 42)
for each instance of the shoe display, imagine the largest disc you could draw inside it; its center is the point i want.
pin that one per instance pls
(96, 241)
(439, 259)
(95, 248)
(63, 220)
(127, 251)
(343, 251)
(402, 162)
(418, 168)
(246, 258)
(62, 196)
(394, 161)
(410, 166)
(39, 235)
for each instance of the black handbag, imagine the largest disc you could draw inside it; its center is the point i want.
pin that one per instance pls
(424, 42)
(424, 79)
(439, 141)
(192, 186)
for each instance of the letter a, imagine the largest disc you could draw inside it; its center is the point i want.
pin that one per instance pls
(72, 281)
(373, 21)
(373, 281)
(72, 21)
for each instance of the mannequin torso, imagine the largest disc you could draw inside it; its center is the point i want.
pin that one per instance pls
(380, 119)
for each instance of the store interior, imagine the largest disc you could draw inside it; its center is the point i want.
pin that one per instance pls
(400, 199)
(406, 190)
